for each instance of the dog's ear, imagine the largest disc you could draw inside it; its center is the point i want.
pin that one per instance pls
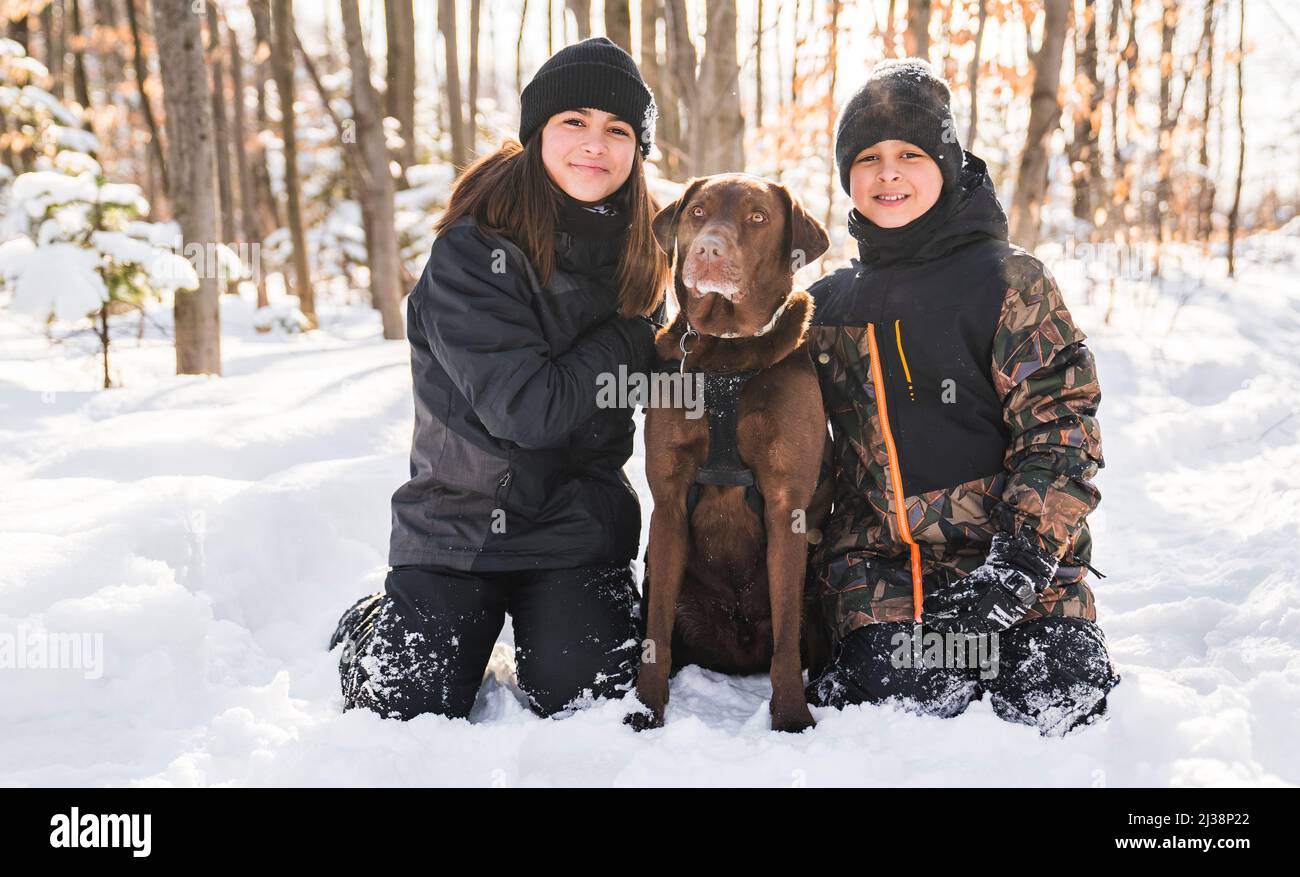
(665, 221)
(806, 235)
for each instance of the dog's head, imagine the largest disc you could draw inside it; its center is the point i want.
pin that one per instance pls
(738, 241)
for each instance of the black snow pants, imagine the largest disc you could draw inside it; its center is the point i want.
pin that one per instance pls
(1053, 673)
(423, 644)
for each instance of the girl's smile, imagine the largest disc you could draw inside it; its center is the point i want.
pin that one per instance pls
(588, 153)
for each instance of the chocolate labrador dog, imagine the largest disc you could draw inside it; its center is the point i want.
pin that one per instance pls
(729, 534)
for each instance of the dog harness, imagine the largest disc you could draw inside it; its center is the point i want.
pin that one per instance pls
(722, 389)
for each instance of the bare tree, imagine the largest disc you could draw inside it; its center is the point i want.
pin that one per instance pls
(618, 23)
(266, 210)
(1205, 186)
(385, 265)
(194, 195)
(471, 121)
(247, 228)
(680, 88)
(80, 85)
(456, 120)
(916, 40)
(972, 132)
(1085, 155)
(581, 10)
(1168, 120)
(1235, 212)
(52, 25)
(141, 67)
(216, 62)
(717, 124)
(1044, 118)
(758, 64)
(282, 62)
(399, 95)
(832, 64)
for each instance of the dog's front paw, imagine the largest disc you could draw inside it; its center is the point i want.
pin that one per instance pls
(644, 720)
(793, 721)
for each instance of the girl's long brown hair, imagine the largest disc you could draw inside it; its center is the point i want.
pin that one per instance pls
(509, 192)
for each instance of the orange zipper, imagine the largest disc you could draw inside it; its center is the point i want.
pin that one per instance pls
(895, 474)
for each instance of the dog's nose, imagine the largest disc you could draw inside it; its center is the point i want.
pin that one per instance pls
(708, 247)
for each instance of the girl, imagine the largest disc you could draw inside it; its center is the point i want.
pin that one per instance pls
(963, 403)
(541, 278)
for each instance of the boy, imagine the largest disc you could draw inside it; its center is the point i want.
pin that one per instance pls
(962, 402)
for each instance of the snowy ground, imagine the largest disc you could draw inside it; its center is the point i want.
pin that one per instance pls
(212, 530)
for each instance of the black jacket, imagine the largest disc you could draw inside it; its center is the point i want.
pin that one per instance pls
(512, 464)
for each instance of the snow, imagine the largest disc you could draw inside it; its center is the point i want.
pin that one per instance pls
(212, 530)
(57, 278)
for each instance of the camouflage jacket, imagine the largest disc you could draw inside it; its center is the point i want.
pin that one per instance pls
(962, 400)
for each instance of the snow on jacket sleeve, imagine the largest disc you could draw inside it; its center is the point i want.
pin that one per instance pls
(484, 333)
(1047, 380)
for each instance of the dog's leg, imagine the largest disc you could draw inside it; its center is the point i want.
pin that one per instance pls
(667, 560)
(786, 568)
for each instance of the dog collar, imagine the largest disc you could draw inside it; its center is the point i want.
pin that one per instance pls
(763, 330)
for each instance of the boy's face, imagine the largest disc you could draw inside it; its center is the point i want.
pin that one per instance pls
(893, 182)
(588, 153)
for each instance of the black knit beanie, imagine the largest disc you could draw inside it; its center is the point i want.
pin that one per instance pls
(902, 99)
(594, 73)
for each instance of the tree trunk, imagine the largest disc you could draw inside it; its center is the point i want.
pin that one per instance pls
(832, 63)
(889, 35)
(656, 74)
(618, 24)
(194, 195)
(519, 48)
(110, 66)
(244, 146)
(80, 86)
(1112, 101)
(146, 104)
(220, 127)
(399, 20)
(1085, 159)
(53, 25)
(581, 10)
(1044, 118)
(385, 269)
(758, 66)
(282, 62)
(455, 118)
(1235, 212)
(917, 38)
(717, 141)
(1125, 166)
(1168, 119)
(681, 88)
(972, 133)
(471, 121)
(1205, 187)
(19, 28)
(267, 211)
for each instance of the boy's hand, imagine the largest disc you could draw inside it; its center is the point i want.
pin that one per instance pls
(997, 594)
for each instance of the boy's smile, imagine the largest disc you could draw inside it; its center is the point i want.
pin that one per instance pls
(893, 182)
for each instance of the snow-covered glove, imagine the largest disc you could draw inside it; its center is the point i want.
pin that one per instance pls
(996, 594)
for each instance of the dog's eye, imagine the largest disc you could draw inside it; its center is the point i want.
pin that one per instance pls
(758, 217)
(696, 210)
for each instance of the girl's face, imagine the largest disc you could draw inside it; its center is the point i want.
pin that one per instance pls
(893, 182)
(588, 153)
